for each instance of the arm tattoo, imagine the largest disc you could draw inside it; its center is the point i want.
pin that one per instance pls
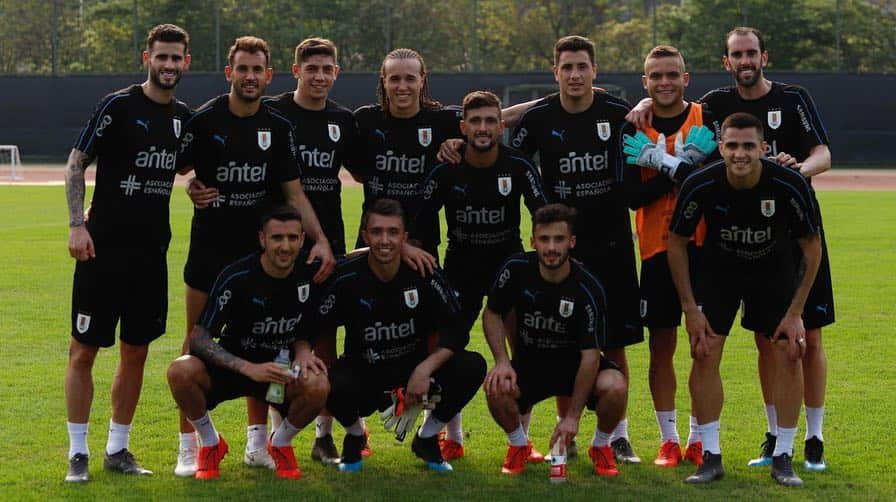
(202, 346)
(74, 187)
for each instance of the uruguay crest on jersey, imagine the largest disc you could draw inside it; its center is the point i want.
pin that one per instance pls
(264, 139)
(411, 298)
(176, 122)
(768, 207)
(505, 185)
(603, 130)
(424, 136)
(566, 307)
(335, 132)
(303, 290)
(774, 119)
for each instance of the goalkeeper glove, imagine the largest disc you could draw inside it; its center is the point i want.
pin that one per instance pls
(698, 145)
(643, 152)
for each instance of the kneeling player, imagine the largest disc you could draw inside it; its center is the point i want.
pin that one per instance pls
(561, 316)
(255, 310)
(389, 311)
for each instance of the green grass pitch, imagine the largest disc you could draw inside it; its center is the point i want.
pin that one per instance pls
(35, 287)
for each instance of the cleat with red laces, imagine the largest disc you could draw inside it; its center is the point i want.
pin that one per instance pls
(517, 456)
(535, 456)
(604, 462)
(210, 458)
(285, 461)
(670, 455)
(694, 453)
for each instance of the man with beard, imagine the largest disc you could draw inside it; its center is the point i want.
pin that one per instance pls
(246, 151)
(121, 273)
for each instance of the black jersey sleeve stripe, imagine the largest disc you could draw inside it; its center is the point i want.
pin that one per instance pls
(536, 176)
(814, 118)
(808, 206)
(85, 148)
(198, 114)
(598, 311)
(684, 197)
(453, 302)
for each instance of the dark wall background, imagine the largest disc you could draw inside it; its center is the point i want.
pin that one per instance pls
(42, 115)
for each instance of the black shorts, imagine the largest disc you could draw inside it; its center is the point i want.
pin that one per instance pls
(129, 285)
(660, 306)
(819, 308)
(206, 259)
(539, 380)
(227, 385)
(615, 269)
(471, 274)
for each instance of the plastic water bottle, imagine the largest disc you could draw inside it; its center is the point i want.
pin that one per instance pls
(558, 462)
(277, 391)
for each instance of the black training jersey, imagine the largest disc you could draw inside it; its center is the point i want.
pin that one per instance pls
(753, 227)
(135, 142)
(255, 315)
(397, 155)
(581, 161)
(554, 321)
(325, 141)
(246, 159)
(482, 205)
(787, 113)
(388, 322)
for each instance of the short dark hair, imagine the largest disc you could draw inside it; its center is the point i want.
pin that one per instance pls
(481, 99)
(315, 46)
(664, 51)
(742, 120)
(168, 33)
(384, 207)
(573, 43)
(555, 213)
(744, 31)
(251, 45)
(280, 213)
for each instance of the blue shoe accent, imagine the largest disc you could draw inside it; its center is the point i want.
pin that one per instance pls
(815, 467)
(351, 466)
(440, 466)
(760, 462)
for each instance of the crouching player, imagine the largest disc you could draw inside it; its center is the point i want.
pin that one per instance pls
(257, 307)
(561, 316)
(389, 311)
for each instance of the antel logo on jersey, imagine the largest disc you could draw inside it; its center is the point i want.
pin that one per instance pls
(245, 173)
(404, 164)
(156, 159)
(104, 123)
(316, 158)
(537, 320)
(583, 163)
(271, 326)
(395, 331)
(481, 216)
(746, 235)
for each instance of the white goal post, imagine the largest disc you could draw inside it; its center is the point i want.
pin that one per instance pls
(15, 161)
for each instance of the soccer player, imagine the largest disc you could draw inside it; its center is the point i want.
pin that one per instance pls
(246, 151)
(578, 137)
(665, 80)
(562, 324)
(754, 210)
(481, 197)
(389, 311)
(796, 138)
(259, 306)
(121, 273)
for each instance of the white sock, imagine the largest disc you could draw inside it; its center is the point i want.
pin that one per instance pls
(454, 430)
(525, 419)
(431, 426)
(600, 438)
(284, 434)
(188, 441)
(208, 435)
(276, 418)
(518, 437)
(355, 429)
(257, 437)
(784, 443)
(709, 435)
(77, 439)
(621, 430)
(814, 421)
(323, 426)
(771, 415)
(668, 426)
(693, 433)
(119, 437)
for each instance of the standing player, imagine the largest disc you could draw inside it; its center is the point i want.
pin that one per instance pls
(481, 197)
(245, 150)
(259, 306)
(561, 316)
(121, 273)
(754, 210)
(389, 311)
(796, 138)
(578, 137)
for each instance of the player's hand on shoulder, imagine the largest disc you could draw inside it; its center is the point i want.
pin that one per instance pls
(322, 251)
(786, 160)
(642, 114)
(418, 259)
(500, 380)
(449, 151)
(80, 243)
(201, 195)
